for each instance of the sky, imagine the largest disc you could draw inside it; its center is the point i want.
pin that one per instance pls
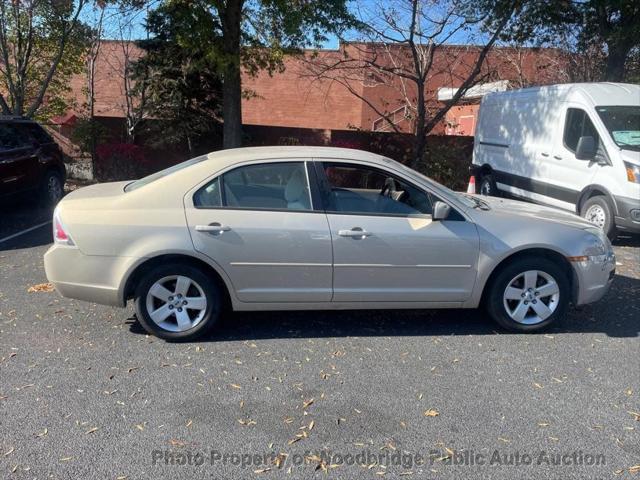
(130, 25)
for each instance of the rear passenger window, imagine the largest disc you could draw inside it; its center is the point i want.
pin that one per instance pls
(270, 186)
(209, 196)
(578, 124)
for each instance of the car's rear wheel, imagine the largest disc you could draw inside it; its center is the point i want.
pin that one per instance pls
(52, 189)
(178, 302)
(529, 294)
(598, 211)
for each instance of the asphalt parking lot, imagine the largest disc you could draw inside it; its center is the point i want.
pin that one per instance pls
(85, 393)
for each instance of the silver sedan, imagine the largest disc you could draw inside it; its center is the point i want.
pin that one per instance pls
(308, 228)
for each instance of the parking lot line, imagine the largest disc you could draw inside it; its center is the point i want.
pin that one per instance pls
(35, 227)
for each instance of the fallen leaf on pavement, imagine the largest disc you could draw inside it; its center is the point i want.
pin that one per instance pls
(40, 287)
(431, 413)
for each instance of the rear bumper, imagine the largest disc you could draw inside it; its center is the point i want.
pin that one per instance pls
(594, 278)
(92, 278)
(628, 214)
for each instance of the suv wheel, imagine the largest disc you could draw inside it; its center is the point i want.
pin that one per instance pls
(597, 211)
(52, 189)
(528, 294)
(177, 302)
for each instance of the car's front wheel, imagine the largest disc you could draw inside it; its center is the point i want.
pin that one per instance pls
(177, 302)
(528, 294)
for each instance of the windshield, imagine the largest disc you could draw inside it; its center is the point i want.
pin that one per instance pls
(623, 124)
(163, 173)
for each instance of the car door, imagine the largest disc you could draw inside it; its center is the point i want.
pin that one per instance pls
(260, 224)
(386, 247)
(18, 161)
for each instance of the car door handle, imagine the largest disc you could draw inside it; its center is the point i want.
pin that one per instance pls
(557, 157)
(356, 232)
(544, 154)
(212, 228)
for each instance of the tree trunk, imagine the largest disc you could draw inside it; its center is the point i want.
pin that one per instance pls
(616, 60)
(232, 84)
(420, 133)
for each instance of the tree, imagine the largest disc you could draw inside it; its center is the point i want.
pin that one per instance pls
(41, 46)
(610, 26)
(407, 47)
(256, 34)
(183, 88)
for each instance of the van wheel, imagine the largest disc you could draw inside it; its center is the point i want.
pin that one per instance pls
(528, 294)
(178, 302)
(598, 211)
(488, 186)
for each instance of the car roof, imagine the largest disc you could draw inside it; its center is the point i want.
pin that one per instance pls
(224, 158)
(595, 93)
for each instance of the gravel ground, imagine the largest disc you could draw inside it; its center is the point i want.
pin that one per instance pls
(84, 393)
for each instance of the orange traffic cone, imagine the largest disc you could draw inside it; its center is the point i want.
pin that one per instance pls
(472, 184)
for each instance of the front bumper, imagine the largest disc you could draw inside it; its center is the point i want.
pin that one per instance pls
(627, 217)
(594, 277)
(92, 278)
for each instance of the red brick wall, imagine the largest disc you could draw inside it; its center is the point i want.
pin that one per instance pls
(291, 99)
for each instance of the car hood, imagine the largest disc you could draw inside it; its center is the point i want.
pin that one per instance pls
(502, 206)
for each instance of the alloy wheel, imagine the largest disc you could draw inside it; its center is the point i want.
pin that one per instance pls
(176, 303)
(531, 297)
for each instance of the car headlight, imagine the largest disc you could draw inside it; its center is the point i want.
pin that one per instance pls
(597, 243)
(633, 172)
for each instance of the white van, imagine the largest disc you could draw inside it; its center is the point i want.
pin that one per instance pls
(573, 146)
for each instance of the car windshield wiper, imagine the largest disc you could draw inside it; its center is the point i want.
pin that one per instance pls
(481, 204)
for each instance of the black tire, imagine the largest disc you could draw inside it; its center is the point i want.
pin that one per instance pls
(211, 290)
(593, 208)
(495, 302)
(488, 186)
(51, 189)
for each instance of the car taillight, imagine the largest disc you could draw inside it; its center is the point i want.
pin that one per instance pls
(60, 234)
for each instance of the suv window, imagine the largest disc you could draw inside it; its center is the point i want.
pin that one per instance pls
(361, 189)
(37, 133)
(578, 124)
(270, 186)
(11, 137)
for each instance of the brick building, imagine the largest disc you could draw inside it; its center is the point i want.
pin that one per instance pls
(297, 98)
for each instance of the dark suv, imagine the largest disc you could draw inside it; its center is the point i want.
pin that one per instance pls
(30, 161)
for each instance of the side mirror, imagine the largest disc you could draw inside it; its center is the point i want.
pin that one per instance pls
(441, 211)
(586, 149)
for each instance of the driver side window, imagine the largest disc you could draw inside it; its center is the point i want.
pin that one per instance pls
(364, 190)
(578, 124)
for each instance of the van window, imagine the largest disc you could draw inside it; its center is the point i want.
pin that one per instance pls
(578, 124)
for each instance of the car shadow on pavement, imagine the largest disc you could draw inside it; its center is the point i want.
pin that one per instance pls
(616, 316)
